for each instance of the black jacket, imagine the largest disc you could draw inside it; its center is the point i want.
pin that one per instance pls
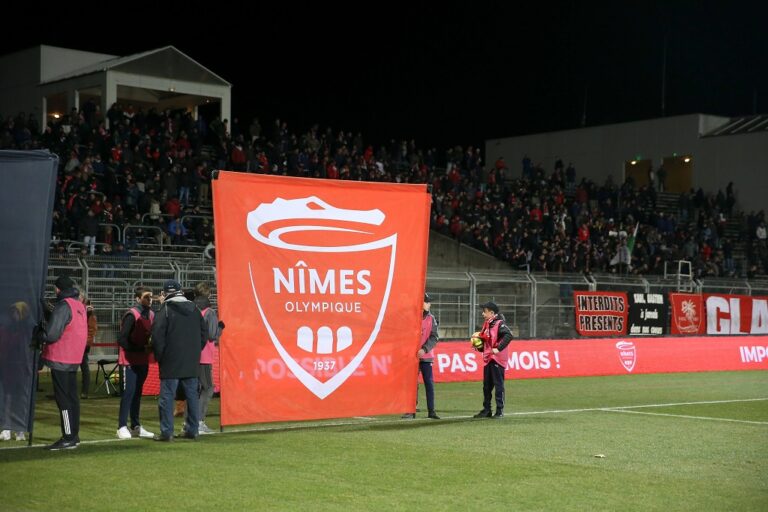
(178, 336)
(505, 335)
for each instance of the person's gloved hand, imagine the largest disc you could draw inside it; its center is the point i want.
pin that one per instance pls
(47, 308)
(38, 337)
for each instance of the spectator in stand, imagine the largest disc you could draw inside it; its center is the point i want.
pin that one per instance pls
(570, 177)
(661, 176)
(482, 207)
(761, 234)
(237, 156)
(173, 207)
(177, 231)
(89, 227)
(184, 186)
(121, 252)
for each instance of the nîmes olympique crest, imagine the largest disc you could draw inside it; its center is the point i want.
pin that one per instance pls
(627, 354)
(321, 284)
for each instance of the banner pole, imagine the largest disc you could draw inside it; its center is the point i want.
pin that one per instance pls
(33, 395)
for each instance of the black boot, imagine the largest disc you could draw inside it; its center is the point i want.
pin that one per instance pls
(433, 415)
(485, 413)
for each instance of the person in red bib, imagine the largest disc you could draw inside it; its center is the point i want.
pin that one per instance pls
(64, 341)
(496, 337)
(133, 358)
(426, 356)
(205, 374)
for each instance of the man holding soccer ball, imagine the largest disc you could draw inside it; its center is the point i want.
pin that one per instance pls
(492, 340)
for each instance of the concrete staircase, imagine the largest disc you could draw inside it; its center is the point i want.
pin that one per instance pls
(735, 229)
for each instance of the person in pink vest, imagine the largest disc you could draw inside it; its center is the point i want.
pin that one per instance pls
(496, 337)
(426, 356)
(64, 340)
(205, 374)
(133, 358)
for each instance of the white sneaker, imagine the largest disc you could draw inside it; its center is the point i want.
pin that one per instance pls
(21, 436)
(203, 428)
(140, 432)
(5, 435)
(123, 433)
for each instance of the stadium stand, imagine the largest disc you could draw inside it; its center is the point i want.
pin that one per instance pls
(145, 176)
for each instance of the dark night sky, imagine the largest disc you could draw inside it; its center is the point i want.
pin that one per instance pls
(451, 72)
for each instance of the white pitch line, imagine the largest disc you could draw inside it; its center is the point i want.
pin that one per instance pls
(691, 403)
(626, 411)
(621, 407)
(372, 421)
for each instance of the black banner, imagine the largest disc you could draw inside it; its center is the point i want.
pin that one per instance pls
(26, 205)
(647, 314)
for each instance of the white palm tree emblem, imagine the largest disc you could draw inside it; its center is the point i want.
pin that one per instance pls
(689, 310)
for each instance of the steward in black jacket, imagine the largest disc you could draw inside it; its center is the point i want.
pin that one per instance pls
(178, 336)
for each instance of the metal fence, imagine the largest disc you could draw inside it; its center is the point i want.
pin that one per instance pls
(535, 306)
(109, 282)
(541, 306)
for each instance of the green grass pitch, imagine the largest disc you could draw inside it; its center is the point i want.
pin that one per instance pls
(694, 441)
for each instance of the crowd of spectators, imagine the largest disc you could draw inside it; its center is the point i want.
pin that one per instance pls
(146, 174)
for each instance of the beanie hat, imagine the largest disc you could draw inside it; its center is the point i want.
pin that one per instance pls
(64, 283)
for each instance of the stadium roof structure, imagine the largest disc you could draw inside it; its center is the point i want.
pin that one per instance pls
(166, 62)
(741, 125)
(53, 81)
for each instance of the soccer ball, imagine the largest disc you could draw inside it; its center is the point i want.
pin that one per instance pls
(114, 378)
(477, 342)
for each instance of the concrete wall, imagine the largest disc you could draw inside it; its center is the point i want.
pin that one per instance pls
(742, 159)
(445, 253)
(19, 77)
(600, 151)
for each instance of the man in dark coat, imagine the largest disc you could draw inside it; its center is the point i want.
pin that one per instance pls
(178, 336)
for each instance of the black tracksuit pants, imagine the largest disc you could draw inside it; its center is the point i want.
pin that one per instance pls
(493, 377)
(65, 392)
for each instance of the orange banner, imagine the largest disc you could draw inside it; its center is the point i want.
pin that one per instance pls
(321, 284)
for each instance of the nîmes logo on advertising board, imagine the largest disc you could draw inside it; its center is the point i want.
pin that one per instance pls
(627, 354)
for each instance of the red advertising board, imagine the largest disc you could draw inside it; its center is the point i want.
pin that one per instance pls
(530, 359)
(719, 314)
(152, 384)
(321, 283)
(601, 313)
